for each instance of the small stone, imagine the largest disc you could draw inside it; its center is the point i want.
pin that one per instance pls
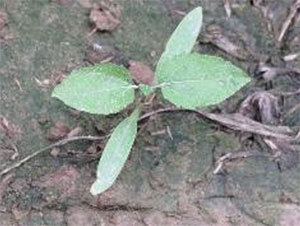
(141, 73)
(58, 131)
(55, 152)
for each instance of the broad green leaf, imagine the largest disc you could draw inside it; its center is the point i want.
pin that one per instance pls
(194, 80)
(109, 69)
(115, 153)
(102, 89)
(184, 37)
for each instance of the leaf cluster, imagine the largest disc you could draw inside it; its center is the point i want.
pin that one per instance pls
(187, 80)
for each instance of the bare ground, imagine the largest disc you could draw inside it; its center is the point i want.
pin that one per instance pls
(169, 178)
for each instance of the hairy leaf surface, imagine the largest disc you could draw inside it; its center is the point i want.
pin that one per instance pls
(102, 89)
(194, 80)
(184, 37)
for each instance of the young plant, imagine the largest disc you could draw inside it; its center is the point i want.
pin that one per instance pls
(188, 80)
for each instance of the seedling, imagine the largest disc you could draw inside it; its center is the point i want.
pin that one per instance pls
(188, 80)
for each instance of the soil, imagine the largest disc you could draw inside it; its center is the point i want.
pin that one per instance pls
(169, 178)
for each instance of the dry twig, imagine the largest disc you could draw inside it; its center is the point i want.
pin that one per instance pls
(287, 23)
(227, 7)
(236, 122)
(235, 156)
(57, 144)
(232, 121)
(286, 94)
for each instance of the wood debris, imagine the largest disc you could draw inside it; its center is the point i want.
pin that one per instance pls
(100, 53)
(290, 57)
(3, 20)
(261, 106)
(227, 7)
(75, 132)
(268, 72)
(266, 12)
(8, 127)
(5, 34)
(214, 34)
(289, 20)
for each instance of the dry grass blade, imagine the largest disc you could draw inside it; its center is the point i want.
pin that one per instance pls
(287, 23)
(239, 122)
(266, 12)
(215, 35)
(293, 109)
(286, 94)
(227, 7)
(235, 156)
(8, 128)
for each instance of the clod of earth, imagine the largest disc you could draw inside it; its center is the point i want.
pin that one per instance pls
(5, 34)
(58, 131)
(4, 184)
(63, 180)
(141, 73)
(105, 17)
(262, 107)
(102, 53)
(3, 20)
(8, 128)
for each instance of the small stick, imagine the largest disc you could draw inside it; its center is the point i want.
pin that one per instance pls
(290, 93)
(227, 7)
(163, 110)
(67, 140)
(235, 156)
(232, 121)
(292, 110)
(293, 11)
(226, 120)
(58, 143)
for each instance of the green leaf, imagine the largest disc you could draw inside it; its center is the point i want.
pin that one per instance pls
(110, 69)
(194, 80)
(184, 37)
(115, 153)
(145, 89)
(102, 89)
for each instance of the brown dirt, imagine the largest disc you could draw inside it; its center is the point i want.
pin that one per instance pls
(169, 177)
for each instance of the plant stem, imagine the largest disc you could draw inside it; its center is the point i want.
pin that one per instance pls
(57, 144)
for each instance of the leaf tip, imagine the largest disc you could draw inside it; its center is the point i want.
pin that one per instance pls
(199, 9)
(97, 188)
(93, 189)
